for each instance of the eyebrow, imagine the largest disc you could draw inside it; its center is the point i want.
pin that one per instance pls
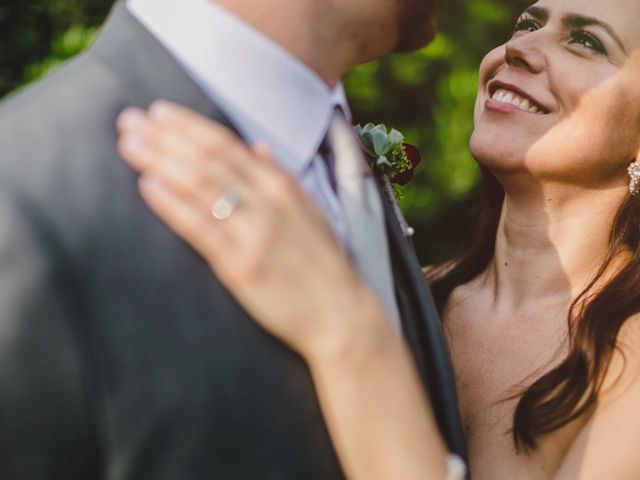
(538, 13)
(576, 21)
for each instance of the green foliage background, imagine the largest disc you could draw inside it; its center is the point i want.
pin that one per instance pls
(428, 95)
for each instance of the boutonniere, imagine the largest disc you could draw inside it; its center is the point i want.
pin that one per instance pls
(393, 160)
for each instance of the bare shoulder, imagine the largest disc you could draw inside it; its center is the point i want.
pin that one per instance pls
(607, 445)
(624, 370)
(629, 336)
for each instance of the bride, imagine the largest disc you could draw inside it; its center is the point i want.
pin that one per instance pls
(542, 310)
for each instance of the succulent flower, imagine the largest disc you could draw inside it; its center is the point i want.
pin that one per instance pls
(393, 160)
(387, 152)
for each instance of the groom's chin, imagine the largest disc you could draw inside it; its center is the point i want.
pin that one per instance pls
(414, 38)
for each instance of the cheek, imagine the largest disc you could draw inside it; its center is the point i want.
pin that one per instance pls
(491, 65)
(592, 138)
(603, 118)
(592, 142)
(598, 137)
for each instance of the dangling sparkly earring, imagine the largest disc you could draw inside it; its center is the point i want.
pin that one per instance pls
(634, 177)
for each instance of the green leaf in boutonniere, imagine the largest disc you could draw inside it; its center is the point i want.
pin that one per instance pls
(388, 154)
(393, 160)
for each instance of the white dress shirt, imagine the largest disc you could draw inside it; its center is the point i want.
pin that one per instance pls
(266, 92)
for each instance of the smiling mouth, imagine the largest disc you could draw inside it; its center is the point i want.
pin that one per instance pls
(512, 98)
(509, 97)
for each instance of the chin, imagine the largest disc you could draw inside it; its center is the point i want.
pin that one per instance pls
(416, 42)
(493, 153)
(414, 35)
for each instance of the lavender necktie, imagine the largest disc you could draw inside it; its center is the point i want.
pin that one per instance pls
(364, 213)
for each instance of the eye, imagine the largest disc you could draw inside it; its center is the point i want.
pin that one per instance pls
(526, 24)
(587, 40)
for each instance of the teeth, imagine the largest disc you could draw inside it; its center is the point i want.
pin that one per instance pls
(504, 96)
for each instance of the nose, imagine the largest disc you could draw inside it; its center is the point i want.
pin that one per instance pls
(524, 52)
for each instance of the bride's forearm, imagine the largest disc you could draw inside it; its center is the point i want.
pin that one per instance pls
(375, 407)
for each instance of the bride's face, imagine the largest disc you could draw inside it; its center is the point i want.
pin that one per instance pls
(561, 100)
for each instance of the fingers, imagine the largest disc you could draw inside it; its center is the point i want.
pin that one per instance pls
(195, 128)
(183, 137)
(200, 182)
(195, 162)
(262, 151)
(164, 151)
(267, 233)
(137, 124)
(194, 154)
(174, 126)
(275, 181)
(187, 220)
(229, 246)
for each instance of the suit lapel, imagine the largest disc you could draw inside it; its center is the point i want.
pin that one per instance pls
(147, 70)
(423, 331)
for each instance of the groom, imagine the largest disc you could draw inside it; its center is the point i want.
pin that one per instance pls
(121, 356)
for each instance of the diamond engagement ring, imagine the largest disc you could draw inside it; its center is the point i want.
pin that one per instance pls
(224, 206)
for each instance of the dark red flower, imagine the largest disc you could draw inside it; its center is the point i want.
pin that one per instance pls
(413, 154)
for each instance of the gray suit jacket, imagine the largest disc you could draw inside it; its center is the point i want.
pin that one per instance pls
(121, 356)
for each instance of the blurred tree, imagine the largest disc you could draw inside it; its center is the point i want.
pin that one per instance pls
(429, 94)
(33, 30)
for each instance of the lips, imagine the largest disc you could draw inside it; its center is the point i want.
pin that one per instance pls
(508, 94)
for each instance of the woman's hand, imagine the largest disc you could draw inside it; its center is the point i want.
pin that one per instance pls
(279, 257)
(275, 252)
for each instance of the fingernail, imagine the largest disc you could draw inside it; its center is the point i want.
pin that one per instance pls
(132, 143)
(131, 119)
(161, 110)
(150, 183)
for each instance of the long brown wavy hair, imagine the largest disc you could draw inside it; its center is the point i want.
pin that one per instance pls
(595, 317)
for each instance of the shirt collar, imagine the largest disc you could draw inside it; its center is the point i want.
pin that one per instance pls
(261, 82)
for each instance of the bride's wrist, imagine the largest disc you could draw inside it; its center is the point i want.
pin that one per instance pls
(360, 330)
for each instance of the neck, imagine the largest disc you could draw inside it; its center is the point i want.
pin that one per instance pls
(307, 29)
(549, 245)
